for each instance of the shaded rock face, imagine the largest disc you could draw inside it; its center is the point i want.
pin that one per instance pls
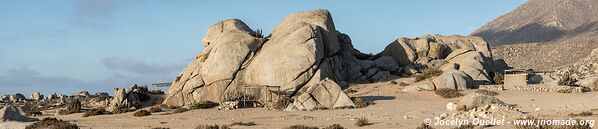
(324, 94)
(466, 61)
(11, 113)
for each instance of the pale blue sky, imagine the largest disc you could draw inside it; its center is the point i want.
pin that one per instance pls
(70, 45)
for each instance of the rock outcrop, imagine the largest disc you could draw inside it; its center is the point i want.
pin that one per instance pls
(305, 53)
(301, 51)
(132, 97)
(36, 96)
(10, 113)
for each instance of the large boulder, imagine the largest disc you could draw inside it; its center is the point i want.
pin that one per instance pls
(402, 52)
(302, 50)
(325, 94)
(453, 79)
(474, 100)
(16, 97)
(11, 113)
(36, 96)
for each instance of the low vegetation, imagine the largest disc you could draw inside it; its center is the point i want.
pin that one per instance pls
(155, 109)
(52, 123)
(498, 78)
(157, 92)
(73, 106)
(94, 112)
(142, 113)
(565, 91)
(360, 102)
(448, 93)
(282, 103)
(486, 92)
(334, 126)
(119, 111)
(32, 113)
(349, 91)
(203, 105)
(301, 127)
(362, 122)
(584, 113)
(427, 73)
(160, 128)
(243, 123)
(212, 127)
(180, 110)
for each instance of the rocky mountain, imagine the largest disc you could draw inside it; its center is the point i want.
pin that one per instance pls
(542, 21)
(544, 34)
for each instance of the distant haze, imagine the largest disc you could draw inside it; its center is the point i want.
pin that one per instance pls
(96, 45)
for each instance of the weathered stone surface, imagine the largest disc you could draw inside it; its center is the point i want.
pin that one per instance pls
(321, 18)
(285, 60)
(82, 94)
(453, 80)
(37, 96)
(401, 51)
(325, 94)
(11, 113)
(474, 100)
(222, 27)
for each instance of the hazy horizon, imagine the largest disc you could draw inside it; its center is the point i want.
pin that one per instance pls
(97, 45)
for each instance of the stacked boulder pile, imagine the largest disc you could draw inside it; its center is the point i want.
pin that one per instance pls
(308, 60)
(586, 71)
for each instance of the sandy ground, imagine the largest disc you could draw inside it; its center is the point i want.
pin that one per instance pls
(393, 109)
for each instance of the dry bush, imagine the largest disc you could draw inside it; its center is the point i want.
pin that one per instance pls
(468, 126)
(360, 102)
(160, 128)
(258, 33)
(180, 110)
(32, 113)
(158, 100)
(486, 92)
(362, 122)
(334, 126)
(212, 127)
(301, 127)
(424, 126)
(203, 105)
(567, 80)
(141, 113)
(52, 123)
(498, 78)
(73, 106)
(428, 73)
(584, 113)
(282, 103)
(94, 112)
(157, 92)
(448, 93)
(349, 91)
(155, 109)
(243, 123)
(119, 110)
(565, 91)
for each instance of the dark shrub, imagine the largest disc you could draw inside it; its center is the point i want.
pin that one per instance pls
(301, 127)
(119, 111)
(52, 123)
(157, 92)
(243, 123)
(203, 105)
(486, 92)
(584, 113)
(155, 109)
(94, 112)
(212, 127)
(360, 102)
(428, 73)
(362, 122)
(180, 110)
(334, 126)
(424, 126)
(498, 78)
(448, 93)
(141, 113)
(567, 80)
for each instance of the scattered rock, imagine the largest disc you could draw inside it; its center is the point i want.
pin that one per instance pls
(475, 100)
(11, 113)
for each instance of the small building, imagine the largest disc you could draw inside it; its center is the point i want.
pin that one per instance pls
(523, 77)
